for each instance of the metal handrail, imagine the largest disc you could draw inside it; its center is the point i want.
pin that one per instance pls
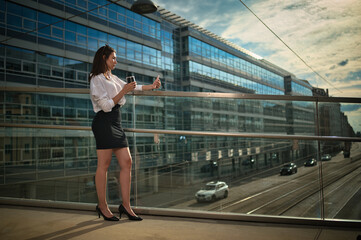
(192, 94)
(197, 133)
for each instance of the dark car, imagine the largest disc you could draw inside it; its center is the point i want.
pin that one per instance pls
(274, 157)
(326, 157)
(249, 161)
(209, 167)
(288, 169)
(311, 162)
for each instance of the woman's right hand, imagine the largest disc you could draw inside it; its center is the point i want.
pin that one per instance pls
(129, 87)
(126, 88)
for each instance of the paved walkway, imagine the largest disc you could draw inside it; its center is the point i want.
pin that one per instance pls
(46, 223)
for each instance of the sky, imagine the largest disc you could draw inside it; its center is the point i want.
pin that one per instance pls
(326, 34)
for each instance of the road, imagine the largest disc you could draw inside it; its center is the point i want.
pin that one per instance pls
(298, 194)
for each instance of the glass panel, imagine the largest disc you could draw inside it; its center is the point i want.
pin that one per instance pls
(29, 25)
(226, 115)
(341, 169)
(13, 64)
(29, 67)
(251, 176)
(341, 160)
(14, 20)
(44, 70)
(42, 160)
(276, 177)
(42, 108)
(340, 119)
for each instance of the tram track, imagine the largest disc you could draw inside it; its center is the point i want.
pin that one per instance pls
(340, 185)
(297, 191)
(326, 184)
(233, 203)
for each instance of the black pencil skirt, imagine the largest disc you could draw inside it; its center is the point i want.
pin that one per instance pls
(108, 131)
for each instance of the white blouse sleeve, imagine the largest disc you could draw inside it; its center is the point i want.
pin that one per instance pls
(138, 87)
(99, 95)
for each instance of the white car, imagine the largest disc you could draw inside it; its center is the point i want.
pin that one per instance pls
(212, 191)
(326, 157)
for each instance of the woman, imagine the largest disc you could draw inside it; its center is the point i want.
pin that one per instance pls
(107, 95)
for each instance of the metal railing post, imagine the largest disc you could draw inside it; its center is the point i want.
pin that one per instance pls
(320, 175)
(134, 154)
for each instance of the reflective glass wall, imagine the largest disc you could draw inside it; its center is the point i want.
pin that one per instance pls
(46, 30)
(267, 175)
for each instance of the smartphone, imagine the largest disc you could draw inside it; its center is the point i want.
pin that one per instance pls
(130, 79)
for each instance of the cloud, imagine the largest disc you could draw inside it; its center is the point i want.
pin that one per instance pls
(343, 63)
(321, 32)
(211, 15)
(349, 86)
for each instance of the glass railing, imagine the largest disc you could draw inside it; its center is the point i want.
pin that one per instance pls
(216, 152)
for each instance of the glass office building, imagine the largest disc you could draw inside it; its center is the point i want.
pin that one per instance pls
(50, 45)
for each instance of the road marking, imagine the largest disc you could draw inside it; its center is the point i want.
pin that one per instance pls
(255, 195)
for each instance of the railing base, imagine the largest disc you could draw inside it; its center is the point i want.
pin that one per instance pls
(339, 223)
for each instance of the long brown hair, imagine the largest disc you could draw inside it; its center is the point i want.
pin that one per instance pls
(99, 61)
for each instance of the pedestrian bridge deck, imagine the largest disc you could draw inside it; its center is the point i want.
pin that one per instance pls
(26, 222)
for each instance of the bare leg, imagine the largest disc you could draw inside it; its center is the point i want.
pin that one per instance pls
(125, 163)
(104, 158)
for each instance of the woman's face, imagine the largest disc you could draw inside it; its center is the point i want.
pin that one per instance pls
(111, 61)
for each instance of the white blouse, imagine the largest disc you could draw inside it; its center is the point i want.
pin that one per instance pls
(103, 90)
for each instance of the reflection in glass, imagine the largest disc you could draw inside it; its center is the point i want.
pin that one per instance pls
(250, 167)
(341, 165)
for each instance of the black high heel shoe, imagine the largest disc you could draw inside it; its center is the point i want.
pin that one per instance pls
(130, 217)
(113, 218)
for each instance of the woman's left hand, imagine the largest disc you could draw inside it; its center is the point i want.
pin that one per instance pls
(156, 84)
